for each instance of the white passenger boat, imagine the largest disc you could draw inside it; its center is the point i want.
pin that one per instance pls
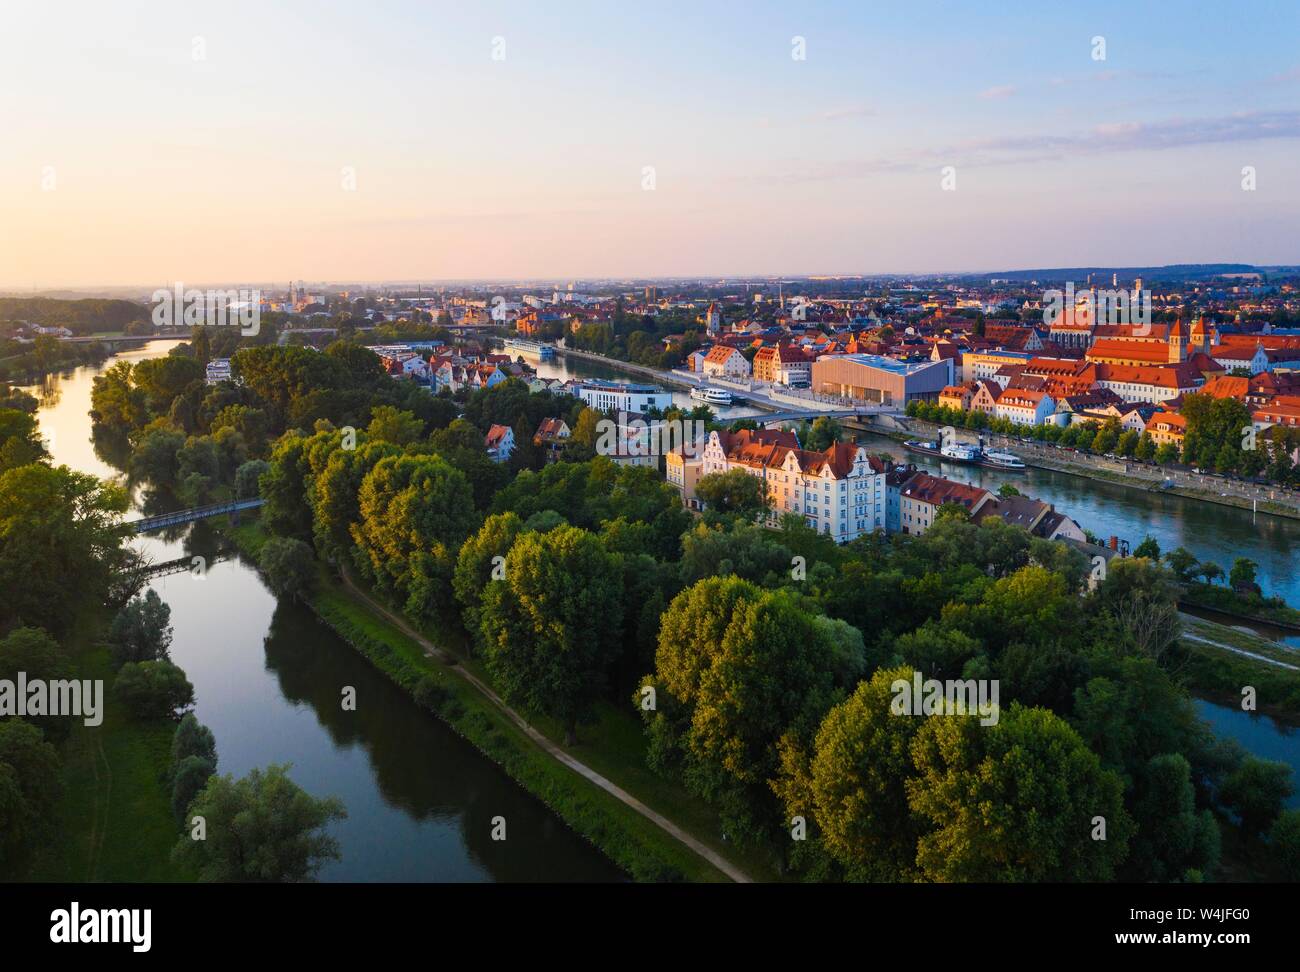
(711, 396)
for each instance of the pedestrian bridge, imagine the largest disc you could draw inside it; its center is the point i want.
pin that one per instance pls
(148, 524)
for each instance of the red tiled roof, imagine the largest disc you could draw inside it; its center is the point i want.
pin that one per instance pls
(936, 491)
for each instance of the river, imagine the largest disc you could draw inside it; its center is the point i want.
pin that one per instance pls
(420, 799)
(1212, 532)
(268, 679)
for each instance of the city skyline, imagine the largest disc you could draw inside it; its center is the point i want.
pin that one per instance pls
(509, 143)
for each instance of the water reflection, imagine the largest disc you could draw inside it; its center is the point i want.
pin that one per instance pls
(269, 679)
(1259, 734)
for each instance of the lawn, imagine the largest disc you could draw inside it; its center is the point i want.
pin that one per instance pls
(114, 818)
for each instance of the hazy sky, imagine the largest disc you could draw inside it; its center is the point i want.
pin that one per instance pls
(143, 143)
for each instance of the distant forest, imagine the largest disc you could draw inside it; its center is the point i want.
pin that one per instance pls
(88, 316)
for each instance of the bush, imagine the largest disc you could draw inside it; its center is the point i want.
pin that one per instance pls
(290, 567)
(428, 694)
(191, 775)
(1284, 840)
(153, 689)
(247, 476)
(141, 631)
(192, 738)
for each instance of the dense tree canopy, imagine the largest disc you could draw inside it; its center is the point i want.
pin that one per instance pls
(551, 628)
(62, 542)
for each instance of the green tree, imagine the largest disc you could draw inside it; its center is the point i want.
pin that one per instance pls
(20, 439)
(1284, 844)
(31, 783)
(951, 511)
(62, 543)
(733, 492)
(247, 477)
(1127, 444)
(192, 738)
(1183, 563)
(387, 424)
(153, 689)
(261, 828)
(1242, 575)
(33, 651)
(189, 776)
(1256, 792)
(415, 512)
(745, 550)
(1149, 547)
(1172, 836)
(201, 345)
(1016, 801)
(141, 630)
(823, 433)
(854, 786)
(115, 402)
(284, 488)
(738, 668)
(289, 566)
(477, 564)
(334, 495)
(250, 423)
(154, 459)
(1145, 451)
(551, 629)
(1166, 454)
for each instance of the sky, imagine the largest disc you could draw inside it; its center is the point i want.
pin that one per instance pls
(147, 143)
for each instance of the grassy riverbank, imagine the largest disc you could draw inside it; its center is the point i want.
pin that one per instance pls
(114, 819)
(1217, 671)
(613, 747)
(1250, 608)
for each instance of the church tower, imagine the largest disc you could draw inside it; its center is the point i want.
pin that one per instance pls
(713, 319)
(1200, 337)
(1177, 353)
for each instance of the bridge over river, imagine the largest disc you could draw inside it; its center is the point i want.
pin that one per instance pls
(148, 524)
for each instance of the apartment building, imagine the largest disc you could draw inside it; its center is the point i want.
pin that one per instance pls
(839, 492)
(726, 362)
(1024, 407)
(1154, 383)
(1167, 428)
(783, 364)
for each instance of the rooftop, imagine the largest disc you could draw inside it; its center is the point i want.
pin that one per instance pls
(892, 365)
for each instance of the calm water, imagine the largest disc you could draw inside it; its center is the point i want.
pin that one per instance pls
(269, 679)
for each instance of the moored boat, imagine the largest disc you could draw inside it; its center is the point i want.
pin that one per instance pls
(711, 396)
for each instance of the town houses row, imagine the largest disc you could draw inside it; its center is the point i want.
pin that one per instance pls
(846, 492)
